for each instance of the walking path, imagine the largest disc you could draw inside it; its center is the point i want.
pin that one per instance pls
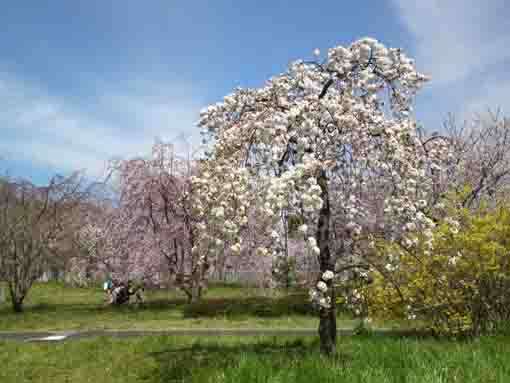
(48, 336)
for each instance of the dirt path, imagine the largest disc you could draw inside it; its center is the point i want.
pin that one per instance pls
(49, 336)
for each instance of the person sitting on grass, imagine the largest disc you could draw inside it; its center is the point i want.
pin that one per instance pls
(122, 292)
(107, 287)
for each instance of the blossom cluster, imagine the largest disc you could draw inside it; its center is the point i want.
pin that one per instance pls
(270, 144)
(319, 294)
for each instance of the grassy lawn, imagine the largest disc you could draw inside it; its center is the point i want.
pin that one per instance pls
(367, 359)
(53, 307)
(374, 359)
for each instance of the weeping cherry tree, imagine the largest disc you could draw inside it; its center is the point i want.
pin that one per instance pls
(286, 146)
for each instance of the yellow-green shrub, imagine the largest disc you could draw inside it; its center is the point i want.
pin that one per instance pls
(461, 287)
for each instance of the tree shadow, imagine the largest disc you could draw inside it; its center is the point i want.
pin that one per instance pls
(159, 304)
(232, 308)
(179, 364)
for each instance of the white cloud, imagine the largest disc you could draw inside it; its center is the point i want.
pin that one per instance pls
(50, 130)
(492, 95)
(456, 38)
(464, 46)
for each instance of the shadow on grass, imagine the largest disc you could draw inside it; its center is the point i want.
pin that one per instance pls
(154, 305)
(271, 357)
(228, 307)
(181, 364)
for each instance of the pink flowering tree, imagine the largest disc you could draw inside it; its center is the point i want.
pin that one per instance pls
(155, 226)
(90, 260)
(105, 245)
(312, 141)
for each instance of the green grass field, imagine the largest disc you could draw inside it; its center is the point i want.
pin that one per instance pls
(53, 307)
(375, 359)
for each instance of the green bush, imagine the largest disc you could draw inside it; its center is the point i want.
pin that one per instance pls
(253, 306)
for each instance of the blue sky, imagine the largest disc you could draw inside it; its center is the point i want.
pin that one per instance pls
(85, 81)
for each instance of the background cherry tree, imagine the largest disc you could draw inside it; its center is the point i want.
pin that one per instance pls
(313, 141)
(151, 233)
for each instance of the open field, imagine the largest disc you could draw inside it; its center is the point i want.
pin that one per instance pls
(376, 359)
(53, 307)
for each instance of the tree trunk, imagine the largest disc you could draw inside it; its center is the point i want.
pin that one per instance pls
(327, 330)
(327, 322)
(17, 302)
(287, 261)
(17, 306)
(196, 291)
